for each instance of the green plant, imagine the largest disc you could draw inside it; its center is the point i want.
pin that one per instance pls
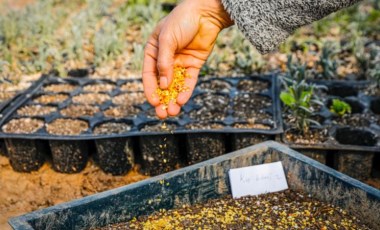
(328, 65)
(299, 98)
(339, 107)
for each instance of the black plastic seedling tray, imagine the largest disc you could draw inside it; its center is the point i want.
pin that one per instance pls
(353, 146)
(203, 181)
(213, 112)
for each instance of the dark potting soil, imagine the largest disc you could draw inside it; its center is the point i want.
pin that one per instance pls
(121, 111)
(204, 125)
(23, 125)
(356, 120)
(252, 86)
(247, 106)
(96, 88)
(213, 107)
(80, 111)
(112, 128)
(51, 99)
(281, 210)
(59, 88)
(216, 86)
(91, 98)
(36, 110)
(132, 86)
(129, 99)
(66, 127)
(313, 136)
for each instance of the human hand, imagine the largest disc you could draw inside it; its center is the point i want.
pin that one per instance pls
(184, 38)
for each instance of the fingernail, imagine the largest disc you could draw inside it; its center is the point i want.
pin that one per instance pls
(163, 82)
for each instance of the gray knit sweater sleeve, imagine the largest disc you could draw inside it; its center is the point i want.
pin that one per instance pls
(267, 23)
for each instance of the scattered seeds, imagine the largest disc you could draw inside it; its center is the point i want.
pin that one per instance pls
(121, 111)
(129, 99)
(96, 88)
(132, 86)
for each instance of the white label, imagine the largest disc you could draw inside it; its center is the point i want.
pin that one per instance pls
(258, 179)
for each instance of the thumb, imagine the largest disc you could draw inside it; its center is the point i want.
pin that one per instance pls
(165, 60)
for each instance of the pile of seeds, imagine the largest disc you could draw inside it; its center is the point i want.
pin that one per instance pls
(282, 210)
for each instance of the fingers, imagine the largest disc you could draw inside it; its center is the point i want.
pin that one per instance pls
(149, 75)
(161, 112)
(165, 59)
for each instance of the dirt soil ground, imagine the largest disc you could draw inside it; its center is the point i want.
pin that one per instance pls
(26, 192)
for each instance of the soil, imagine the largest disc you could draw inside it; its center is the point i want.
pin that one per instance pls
(4, 96)
(51, 99)
(121, 111)
(66, 127)
(281, 210)
(112, 128)
(96, 88)
(248, 106)
(91, 98)
(129, 99)
(36, 110)
(80, 111)
(160, 127)
(252, 86)
(216, 86)
(60, 88)
(314, 136)
(213, 107)
(132, 86)
(23, 125)
(204, 125)
(356, 120)
(26, 192)
(251, 126)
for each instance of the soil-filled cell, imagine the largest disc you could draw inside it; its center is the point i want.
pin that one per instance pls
(342, 90)
(23, 126)
(114, 155)
(243, 140)
(252, 86)
(356, 106)
(357, 164)
(160, 154)
(204, 146)
(69, 156)
(67, 127)
(316, 154)
(99, 87)
(353, 136)
(249, 106)
(74, 111)
(51, 99)
(59, 88)
(132, 86)
(36, 110)
(91, 98)
(129, 99)
(112, 128)
(216, 86)
(213, 107)
(121, 111)
(26, 155)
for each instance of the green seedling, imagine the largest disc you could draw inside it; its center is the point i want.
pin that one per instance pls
(299, 99)
(340, 108)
